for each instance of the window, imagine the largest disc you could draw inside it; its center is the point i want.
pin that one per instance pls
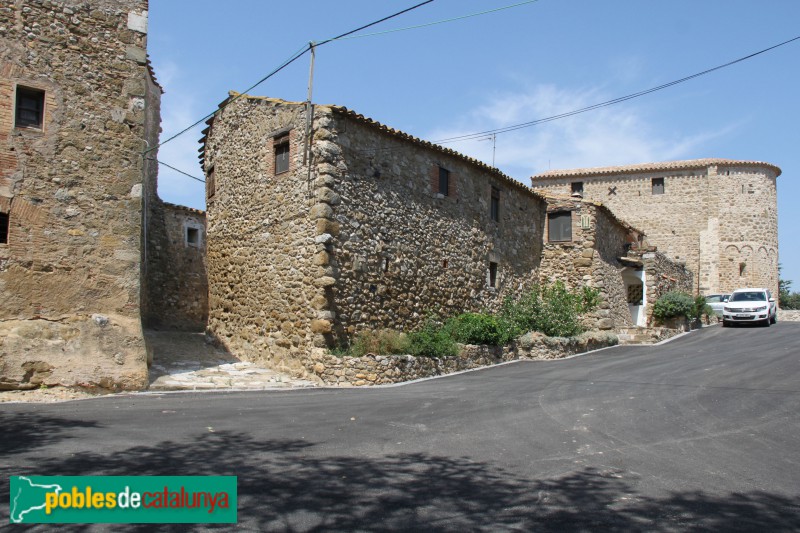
(444, 181)
(281, 149)
(30, 108)
(658, 185)
(492, 274)
(193, 237)
(4, 228)
(211, 185)
(495, 208)
(559, 226)
(577, 187)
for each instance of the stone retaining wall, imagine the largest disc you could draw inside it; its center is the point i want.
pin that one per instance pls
(787, 315)
(385, 369)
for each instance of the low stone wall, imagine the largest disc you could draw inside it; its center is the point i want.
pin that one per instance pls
(384, 369)
(787, 315)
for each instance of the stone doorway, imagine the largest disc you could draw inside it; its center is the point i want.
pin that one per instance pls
(634, 278)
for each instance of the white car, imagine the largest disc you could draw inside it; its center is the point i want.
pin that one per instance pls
(750, 305)
(717, 302)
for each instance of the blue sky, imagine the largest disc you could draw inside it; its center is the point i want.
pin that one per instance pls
(503, 68)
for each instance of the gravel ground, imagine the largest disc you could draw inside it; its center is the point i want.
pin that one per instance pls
(49, 395)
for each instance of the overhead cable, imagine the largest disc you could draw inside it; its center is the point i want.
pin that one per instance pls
(294, 57)
(505, 129)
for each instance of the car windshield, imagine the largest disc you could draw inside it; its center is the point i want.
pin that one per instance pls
(714, 298)
(750, 296)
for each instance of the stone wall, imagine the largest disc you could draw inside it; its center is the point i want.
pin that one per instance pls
(405, 248)
(176, 268)
(386, 369)
(263, 274)
(591, 258)
(717, 216)
(662, 276)
(362, 238)
(71, 187)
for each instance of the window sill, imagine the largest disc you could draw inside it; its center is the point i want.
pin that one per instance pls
(29, 129)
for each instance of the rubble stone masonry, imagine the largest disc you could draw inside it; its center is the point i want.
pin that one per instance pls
(377, 230)
(73, 84)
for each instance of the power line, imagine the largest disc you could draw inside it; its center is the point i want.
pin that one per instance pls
(179, 171)
(505, 129)
(294, 57)
(384, 19)
(444, 21)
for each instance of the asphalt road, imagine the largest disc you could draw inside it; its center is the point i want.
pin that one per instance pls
(699, 434)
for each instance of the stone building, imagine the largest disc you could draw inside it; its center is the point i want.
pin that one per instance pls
(76, 113)
(354, 226)
(174, 274)
(718, 216)
(586, 244)
(321, 228)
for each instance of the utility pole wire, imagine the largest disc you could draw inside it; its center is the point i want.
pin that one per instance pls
(472, 136)
(294, 57)
(179, 171)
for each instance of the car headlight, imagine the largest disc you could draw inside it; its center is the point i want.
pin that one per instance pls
(761, 308)
(727, 309)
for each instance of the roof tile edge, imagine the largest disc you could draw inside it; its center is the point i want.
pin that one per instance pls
(650, 167)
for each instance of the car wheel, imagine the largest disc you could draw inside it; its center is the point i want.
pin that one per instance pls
(767, 322)
(725, 324)
(775, 318)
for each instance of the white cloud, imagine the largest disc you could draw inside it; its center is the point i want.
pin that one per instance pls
(615, 135)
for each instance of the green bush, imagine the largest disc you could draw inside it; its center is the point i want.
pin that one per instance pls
(673, 305)
(701, 308)
(477, 328)
(550, 309)
(381, 342)
(432, 340)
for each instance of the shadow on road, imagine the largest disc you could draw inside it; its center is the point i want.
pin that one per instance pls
(22, 432)
(288, 486)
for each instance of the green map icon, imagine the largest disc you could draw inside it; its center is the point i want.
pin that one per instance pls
(28, 499)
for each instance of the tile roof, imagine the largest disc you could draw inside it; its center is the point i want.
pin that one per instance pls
(357, 117)
(192, 210)
(650, 167)
(555, 199)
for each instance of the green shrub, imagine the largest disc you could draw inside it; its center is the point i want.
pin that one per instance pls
(550, 309)
(380, 342)
(701, 308)
(673, 305)
(477, 328)
(432, 340)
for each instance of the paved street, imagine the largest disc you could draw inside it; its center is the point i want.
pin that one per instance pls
(698, 434)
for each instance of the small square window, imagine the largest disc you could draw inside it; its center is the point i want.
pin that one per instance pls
(577, 187)
(493, 275)
(658, 185)
(495, 206)
(444, 181)
(4, 228)
(193, 237)
(281, 148)
(30, 108)
(559, 226)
